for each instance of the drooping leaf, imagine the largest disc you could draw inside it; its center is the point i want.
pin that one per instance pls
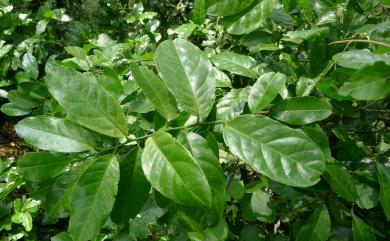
(156, 91)
(265, 90)
(11, 109)
(188, 74)
(236, 64)
(261, 204)
(41, 166)
(93, 198)
(340, 181)
(361, 231)
(30, 65)
(384, 183)
(54, 134)
(357, 59)
(172, 170)
(317, 227)
(86, 102)
(301, 110)
(133, 188)
(369, 83)
(228, 7)
(275, 150)
(59, 197)
(249, 21)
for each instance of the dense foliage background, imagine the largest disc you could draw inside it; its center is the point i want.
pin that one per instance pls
(195, 120)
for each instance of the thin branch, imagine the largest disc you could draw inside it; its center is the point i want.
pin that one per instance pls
(348, 41)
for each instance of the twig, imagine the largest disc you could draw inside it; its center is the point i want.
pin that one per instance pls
(348, 41)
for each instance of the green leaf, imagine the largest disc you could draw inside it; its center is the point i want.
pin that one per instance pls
(133, 188)
(209, 163)
(261, 204)
(307, 9)
(317, 227)
(361, 231)
(199, 11)
(367, 195)
(41, 166)
(279, 152)
(30, 65)
(62, 237)
(237, 189)
(249, 21)
(23, 218)
(340, 181)
(368, 83)
(318, 135)
(306, 34)
(22, 100)
(54, 134)
(93, 198)
(357, 59)
(228, 7)
(301, 110)
(236, 63)
(5, 49)
(86, 102)
(172, 170)
(384, 182)
(156, 91)
(232, 104)
(59, 197)
(221, 79)
(188, 74)
(265, 90)
(11, 109)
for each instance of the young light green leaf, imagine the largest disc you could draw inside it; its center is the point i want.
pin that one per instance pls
(340, 181)
(369, 83)
(86, 102)
(357, 59)
(156, 91)
(265, 90)
(236, 64)
(93, 198)
(172, 170)
(133, 188)
(301, 110)
(246, 22)
(276, 151)
(188, 74)
(261, 204)
(384, 182)
(11, 109)
(361, 231)
(317, 227)
(54, 134)
(228, 7)
(30, 65)
(41, 166)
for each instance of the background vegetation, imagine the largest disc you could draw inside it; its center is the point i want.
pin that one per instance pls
(194, 120)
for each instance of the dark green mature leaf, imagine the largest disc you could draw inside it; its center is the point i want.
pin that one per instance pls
(261, 204)
(41, 166)
(340, 181)
(232, 104)
(30, 65)
(275, 150)
(357, 59)
(306, 34)
(86, 102)
(11, 109)
(249, 21)
(384, 182)
(188, 74)
(133, 188)
(301, 110)
(209, 163)
(228, 7)
(367, 195)
(369, 83)
(62, 237)
(156, 91)
(265, 90)
(22, 99)
(199, 11)
(361, 231)
(59, 196)
(318, 135)
(236, 64)
(317, 227)
(54, 134)
(93, 198)
(172, 170)
(307, 9)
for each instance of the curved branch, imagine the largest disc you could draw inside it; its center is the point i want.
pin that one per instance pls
(348, 41)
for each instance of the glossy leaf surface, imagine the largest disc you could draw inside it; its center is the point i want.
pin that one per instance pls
(236, 63)
(228, 7)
